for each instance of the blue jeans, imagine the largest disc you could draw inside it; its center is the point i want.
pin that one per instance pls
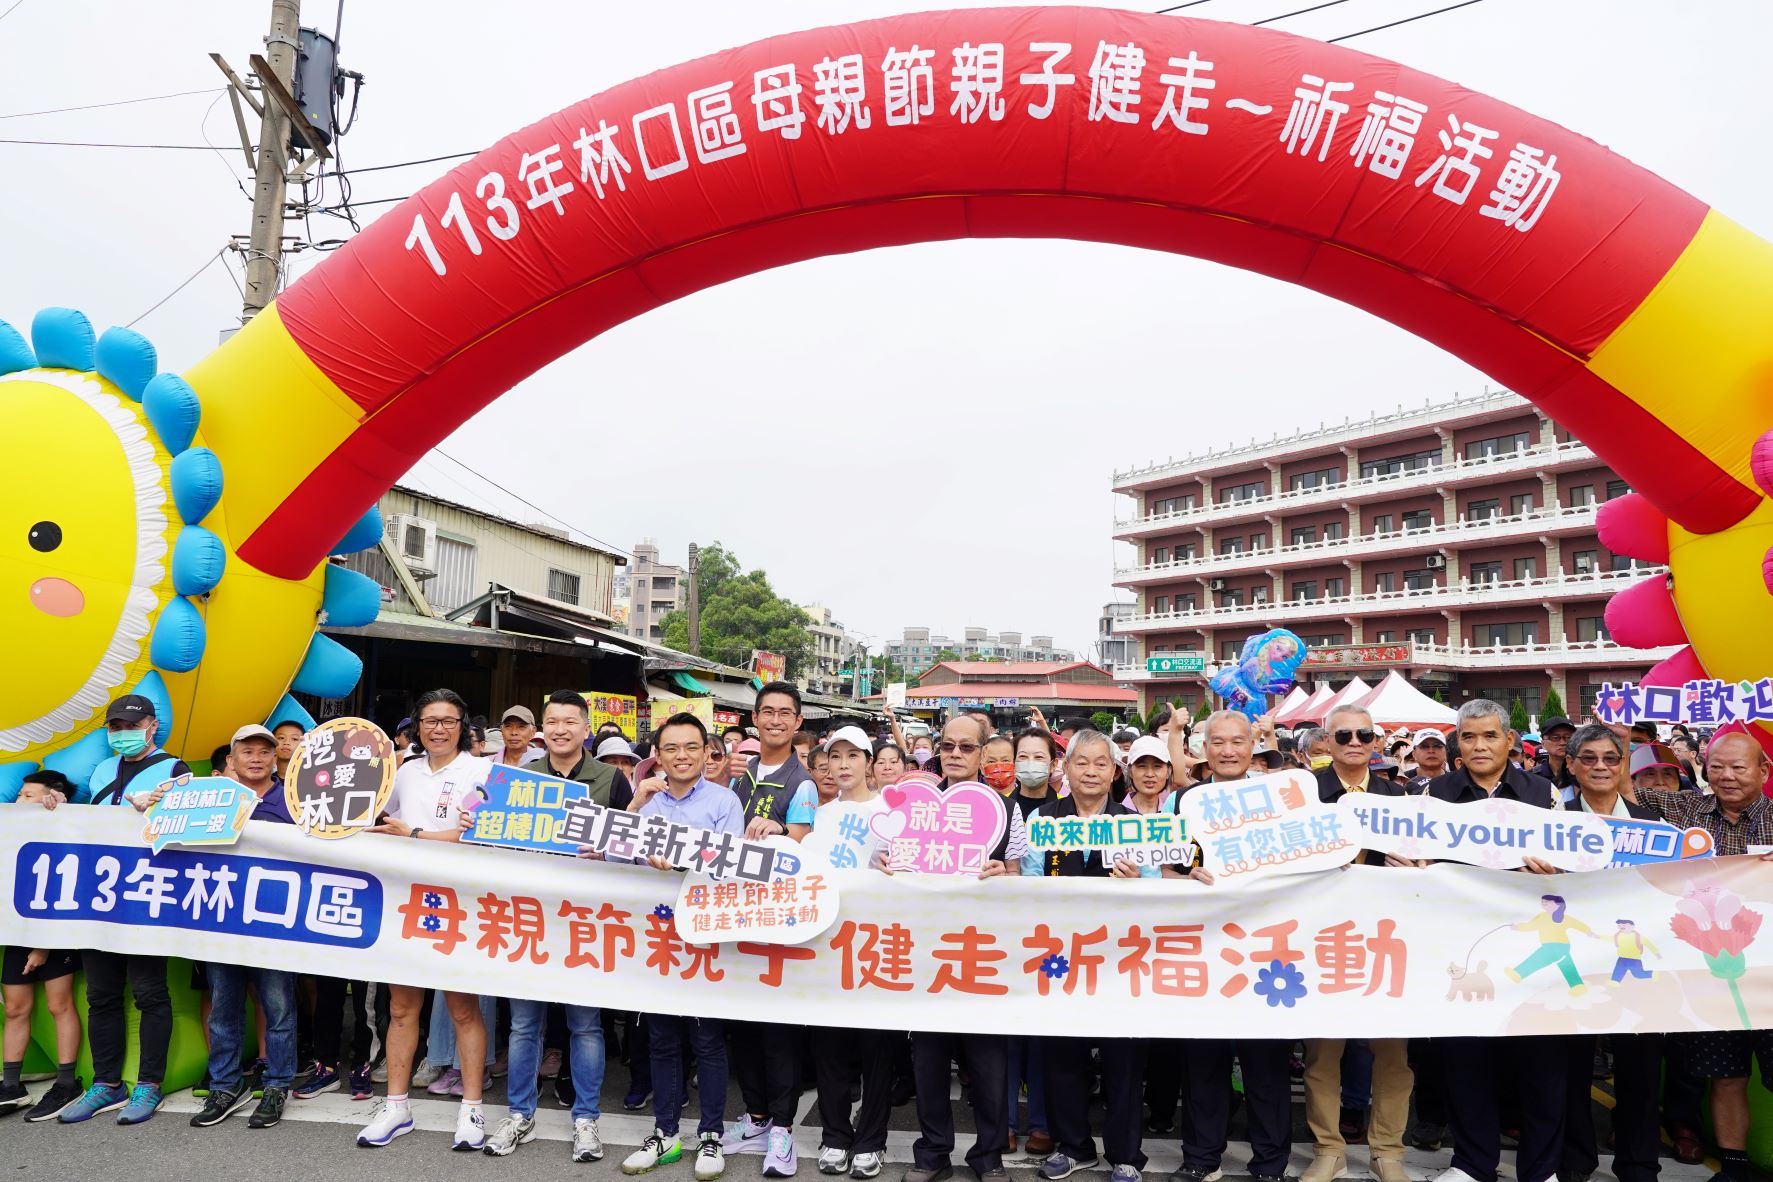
(1357, 1074)
(529, 1022)
(440, 1041)
(1025, 1067)
(708, 1036)
(227, 1022)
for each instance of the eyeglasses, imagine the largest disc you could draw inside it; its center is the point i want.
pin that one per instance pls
(674, 749)
(772, 713)
(1600, 759)
(949, 747)
(440, 724)
(1345, 737)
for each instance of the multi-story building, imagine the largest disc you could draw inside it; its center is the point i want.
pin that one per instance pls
(833, 648)
(655, 590)
(918, 649)
(1115, 648)
(1454, 542)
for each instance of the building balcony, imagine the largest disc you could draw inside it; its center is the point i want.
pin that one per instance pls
(1462, 594)
(1552, 521)
(1529, 461)
(1570, 654)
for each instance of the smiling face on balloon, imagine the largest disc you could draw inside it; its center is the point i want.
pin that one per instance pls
(83, 536)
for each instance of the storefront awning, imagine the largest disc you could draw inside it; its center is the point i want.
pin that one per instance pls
(688, 684)
(731, 696)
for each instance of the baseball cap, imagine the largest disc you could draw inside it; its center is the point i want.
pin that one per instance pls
(1126, 734)
(253, 730)
(1428, 734)
(1148, 747)
(855, 736)
(617, 746)
(1649, 728)
(129, 708)
(1556, 722)
(522, 713)
(749, 747)
(1648, 755)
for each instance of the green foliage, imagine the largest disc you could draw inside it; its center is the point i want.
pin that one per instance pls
(740, 612)
(1104, 721)
(1200, 715)
(1437, 696)
(1517, 716)
(1554, 705)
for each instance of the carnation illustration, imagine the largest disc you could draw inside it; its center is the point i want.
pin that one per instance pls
(1714, 921)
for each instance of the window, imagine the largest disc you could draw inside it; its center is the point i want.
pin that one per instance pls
(1185, 553)
(1322, 478)
(1241, 492)
(1161, 604)
(1592, 628)
(1259, 595)
(1483, 510)
(1384, 524)
(1231, 546)
(1525, 568)
(1617, 488)
(1620, 562)
(1418, 580)
(1304, 535)
(1161, 554)
(1335, 588)
(1334, 530)
(1501, 445)
(1305, 589)
(1582, 496)
(1185, 603)
(1385, 638)
(1418, 519)
(1520, 504)
(1486, 572)
(1229, 649)
(1420, 636)
(1232, 599)
(1585, 562)
(667, 583)
(1528, 695)
(1162, 648)
(1324, 641)
(1397, 465)
(1258, 542)
(1490, 635)
(1172, 505)
(565, 587)
(1385, 581)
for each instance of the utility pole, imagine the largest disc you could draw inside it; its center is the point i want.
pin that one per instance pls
(264, 256)
(695, 601)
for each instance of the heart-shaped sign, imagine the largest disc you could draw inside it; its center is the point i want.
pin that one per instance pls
(933, 831)
(894, 797)
(889, 825)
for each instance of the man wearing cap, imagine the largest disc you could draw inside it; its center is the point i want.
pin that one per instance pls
(254, 752)
(517, 727)
(1428, 747)
(131, 725)
(1554, 762)
(1655, 768)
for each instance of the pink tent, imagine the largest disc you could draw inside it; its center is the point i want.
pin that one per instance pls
(1310, 710)
(1394, 702)
(1354, 691)
(1296, 697)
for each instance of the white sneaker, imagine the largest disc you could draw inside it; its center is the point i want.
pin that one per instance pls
(390, 1121)
(657, 1150)
(865, 1165)
(1454, 1175)
(710, 1158)
(470, 1130)
(833, 1160)
(587, 1145)
(423, 1073)
(744, 1130)
(511, 1132)
(380, 1074)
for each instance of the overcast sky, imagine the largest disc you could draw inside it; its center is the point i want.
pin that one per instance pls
(1000, 354)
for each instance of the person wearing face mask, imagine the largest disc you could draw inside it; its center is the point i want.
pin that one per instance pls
(997, 764)
(1035, 755)
(923, 751)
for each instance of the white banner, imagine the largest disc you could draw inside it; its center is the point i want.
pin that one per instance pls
(1360, 951)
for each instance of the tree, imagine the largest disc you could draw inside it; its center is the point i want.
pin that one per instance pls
(1517, 716)
(740, 612)
(1437, 697)
(1205, 709)
(1554, 705)
(1104, 721)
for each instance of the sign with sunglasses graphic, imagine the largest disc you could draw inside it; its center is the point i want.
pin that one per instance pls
(1500, 834)
(340, 778)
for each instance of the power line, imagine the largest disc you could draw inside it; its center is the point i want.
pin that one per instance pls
(1394, 24)
(558, 520)
(9, 11)
(1298, 12)
(1180, 7)
(152, 98)
(407, 163)
(85, 144)
(207, 264)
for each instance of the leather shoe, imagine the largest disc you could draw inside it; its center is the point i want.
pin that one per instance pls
(1390, 1169)
(1011, 1147)
(1326, 1167)
(997, 1175)
(1039, 1143)
(939, 1174)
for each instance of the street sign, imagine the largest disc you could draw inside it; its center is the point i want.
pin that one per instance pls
(1005, 704)
(1176, 663)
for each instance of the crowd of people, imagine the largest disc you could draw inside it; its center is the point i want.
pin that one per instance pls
(1029, 1092)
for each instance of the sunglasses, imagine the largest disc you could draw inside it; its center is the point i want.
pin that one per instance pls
(949, 747)
(1345, 737)
(1590, 759)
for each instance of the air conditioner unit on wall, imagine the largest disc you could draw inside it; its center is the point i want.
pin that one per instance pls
(1215, 584)
(1436, 561)
(415, 540)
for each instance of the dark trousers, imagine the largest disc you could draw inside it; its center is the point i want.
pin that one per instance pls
(1533, 1070)
(1637, 1141)
(768, 1066)
(1431, 1081)
(107, 1026)
(329, 1023)
(668, 1033)
(1067, 1064)
(838, 1055)
(1166, 1082)
(986, 1058)
(1268, 1101)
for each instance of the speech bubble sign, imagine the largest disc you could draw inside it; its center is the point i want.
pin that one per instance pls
(1497, 833)
(1267, 825)
(792, 909)
(197, 811)
(340, 778)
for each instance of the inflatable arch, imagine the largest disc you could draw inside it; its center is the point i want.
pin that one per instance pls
(1628, 310)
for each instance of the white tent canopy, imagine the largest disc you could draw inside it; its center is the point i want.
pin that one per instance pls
(1312, 710)
(1354, 691)
(1395, 702)
(1296, 697)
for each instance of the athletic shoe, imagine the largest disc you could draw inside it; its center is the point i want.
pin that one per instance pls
(587, 1145)
(497, 1068)
(144, 1102)
(324, 1080)
(742, 1130)
(363, 1083)
(710, 1158)
(780, 1161)
(446, 1083)
(270, 1109)
(1061, 1165)
(833, 1160)
(390, 1121)
(511, 1132)
(865, 1165)
(1184, 1174)
(565, 1091)
(1123, 1173)
(219, 1106)
(635, 1101)
(470, 1130)
(13, 1097)
(423, 1074)
(380, 1073)
(550, 1063)
(54, 1101)
(657, 1150)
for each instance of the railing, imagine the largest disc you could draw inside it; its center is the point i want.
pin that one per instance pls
(1464, 656)
(1453, 471)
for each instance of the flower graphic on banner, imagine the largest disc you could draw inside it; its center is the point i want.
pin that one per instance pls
(1055, 966)
(433, 900)
(1281, 984)
(664, 912)
(1713, 920)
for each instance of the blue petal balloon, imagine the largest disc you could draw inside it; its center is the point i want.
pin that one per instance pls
(196, 483)
(64, 339)
(361, 536)
(127, 360)
(198, 560)
(15, 354)
(173, 409)
(179, 637)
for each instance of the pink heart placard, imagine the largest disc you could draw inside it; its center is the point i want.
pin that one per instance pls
(931, 831)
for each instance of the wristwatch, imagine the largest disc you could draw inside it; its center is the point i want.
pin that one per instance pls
(414, 832)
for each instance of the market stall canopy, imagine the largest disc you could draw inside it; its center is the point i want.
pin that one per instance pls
(1354, 691)
(1395, 702)
(1308, 711)
(1296, 697)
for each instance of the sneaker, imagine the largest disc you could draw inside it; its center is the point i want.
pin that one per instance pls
(470, 1130)
(511, 1132)
(447, 1083)
(550, 1063)
(324, 1080)
(657, 1150)
(380, 1073)
(833, 1160)
(865, 1165)
(587, 1145)
(363, 1083)
(144, 1102)
(1426, 1135)
(13, 1097)
(710, 1158)
(219, 1106)
(270, 1109)
(1184, 1174)
(780, 1161)
(565, 1091)
(54, 1101)
(423, 1074)
(1123, 1173)
(1061, 1165)
(390, 1121)
(635, 1101)
(200, 1089)
(742, 1130)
